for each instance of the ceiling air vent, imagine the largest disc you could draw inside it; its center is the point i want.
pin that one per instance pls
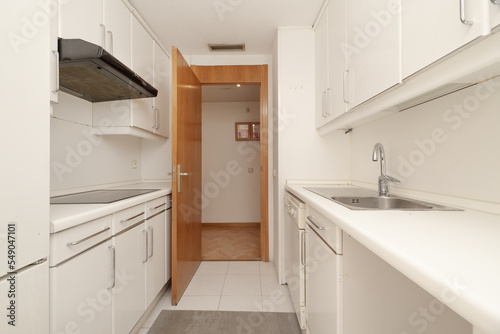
(226, 47)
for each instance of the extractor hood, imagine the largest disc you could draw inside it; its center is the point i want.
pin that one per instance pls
(88, 71)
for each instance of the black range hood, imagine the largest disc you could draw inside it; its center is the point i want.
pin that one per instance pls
(88, 71)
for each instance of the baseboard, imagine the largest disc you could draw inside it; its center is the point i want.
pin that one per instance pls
(225, 225)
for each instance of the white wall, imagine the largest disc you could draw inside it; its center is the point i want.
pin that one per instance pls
(229, 198)
(449, 146)
(303, 154)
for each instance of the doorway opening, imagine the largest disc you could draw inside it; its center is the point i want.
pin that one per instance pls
(231, 172)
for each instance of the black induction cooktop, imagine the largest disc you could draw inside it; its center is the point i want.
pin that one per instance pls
(104, 196)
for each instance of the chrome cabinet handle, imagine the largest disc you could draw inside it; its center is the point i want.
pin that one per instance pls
(158, 120)
(103, 29)
(152, 241)
(147, 246)
(495, 2)
(129, 219)
(154, 110)
(302, 248)
(74, 243)
(56, 53)
(327, 107)
(113, 251)
(462, 14)
(323, 106)
(111, 42)
(179, 179)
(157, 207)
(344, 86)
(310, 218)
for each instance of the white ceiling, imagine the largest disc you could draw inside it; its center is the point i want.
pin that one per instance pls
(191, 25)
(230, 93)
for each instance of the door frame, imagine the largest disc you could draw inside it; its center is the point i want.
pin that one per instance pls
(248, 75)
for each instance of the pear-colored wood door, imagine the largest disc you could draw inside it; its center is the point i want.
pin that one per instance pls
(186, 174)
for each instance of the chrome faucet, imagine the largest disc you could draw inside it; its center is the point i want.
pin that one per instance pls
(383, 179)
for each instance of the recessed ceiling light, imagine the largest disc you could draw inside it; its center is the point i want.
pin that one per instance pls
(238, 85)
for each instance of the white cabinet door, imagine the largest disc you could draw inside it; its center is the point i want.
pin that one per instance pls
(82, 19)
(373, 48)
(143, 115)
(387, 301)
(129, 293)
(494, 9)
(54, 60)
(433, 29)
(321, 67)
(31, 301)
(322, 295)
(162, 81)
(155, 266)
(80, 292)
(117, 18)
(336, 58)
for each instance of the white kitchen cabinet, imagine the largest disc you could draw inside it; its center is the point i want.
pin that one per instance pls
(83, 19)
(373, 48)
(129, 301)
(162, 82)
(323, 275)
(143, 112)
(494, 11)
(387, 301)
(428, 35)
(321, 68)
(31, 297)
(80, 291)
(156, 262)
(117, 19)
(168, 241)
(54, 56)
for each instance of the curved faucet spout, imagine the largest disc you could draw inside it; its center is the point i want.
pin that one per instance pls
(383, 179)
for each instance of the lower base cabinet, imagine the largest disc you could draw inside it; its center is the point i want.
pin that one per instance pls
(379, 299)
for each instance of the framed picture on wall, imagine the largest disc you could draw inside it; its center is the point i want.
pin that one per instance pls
(255, 126)
(242, 131)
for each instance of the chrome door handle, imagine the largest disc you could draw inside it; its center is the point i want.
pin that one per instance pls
(179, 178)
(111, 42)
(147, 237)
(113, 250)
(103, 29)
(56, 53)
(344, 86)
(462, 14)
(310, 218)
(74, 243)
(152, 241)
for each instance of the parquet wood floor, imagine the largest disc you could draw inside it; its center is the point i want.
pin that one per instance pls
(230, 243)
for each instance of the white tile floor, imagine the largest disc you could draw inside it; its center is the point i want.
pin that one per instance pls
(229, 286)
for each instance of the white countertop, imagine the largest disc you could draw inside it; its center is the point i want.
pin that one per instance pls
(64, 216)
(454, 255)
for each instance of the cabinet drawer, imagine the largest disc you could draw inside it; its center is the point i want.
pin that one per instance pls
(325, 229)
(155, 206)
(128, 217)
(73, 241)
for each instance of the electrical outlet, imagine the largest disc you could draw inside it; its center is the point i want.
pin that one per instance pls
(250, 170)
(134, 164)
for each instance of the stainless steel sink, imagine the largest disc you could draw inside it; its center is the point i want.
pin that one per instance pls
(362, 199)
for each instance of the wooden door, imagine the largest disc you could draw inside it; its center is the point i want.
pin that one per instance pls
(186, 159)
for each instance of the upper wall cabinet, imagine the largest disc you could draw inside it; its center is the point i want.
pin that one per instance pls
(373, 48)
(117, 20)
(162, 83)
(83, 19)
(330, 63)
(102, 22)
(434, 29)
(494, 9)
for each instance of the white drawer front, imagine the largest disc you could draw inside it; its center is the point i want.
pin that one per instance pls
(128, 217)
(73, 241)
(326, 230)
